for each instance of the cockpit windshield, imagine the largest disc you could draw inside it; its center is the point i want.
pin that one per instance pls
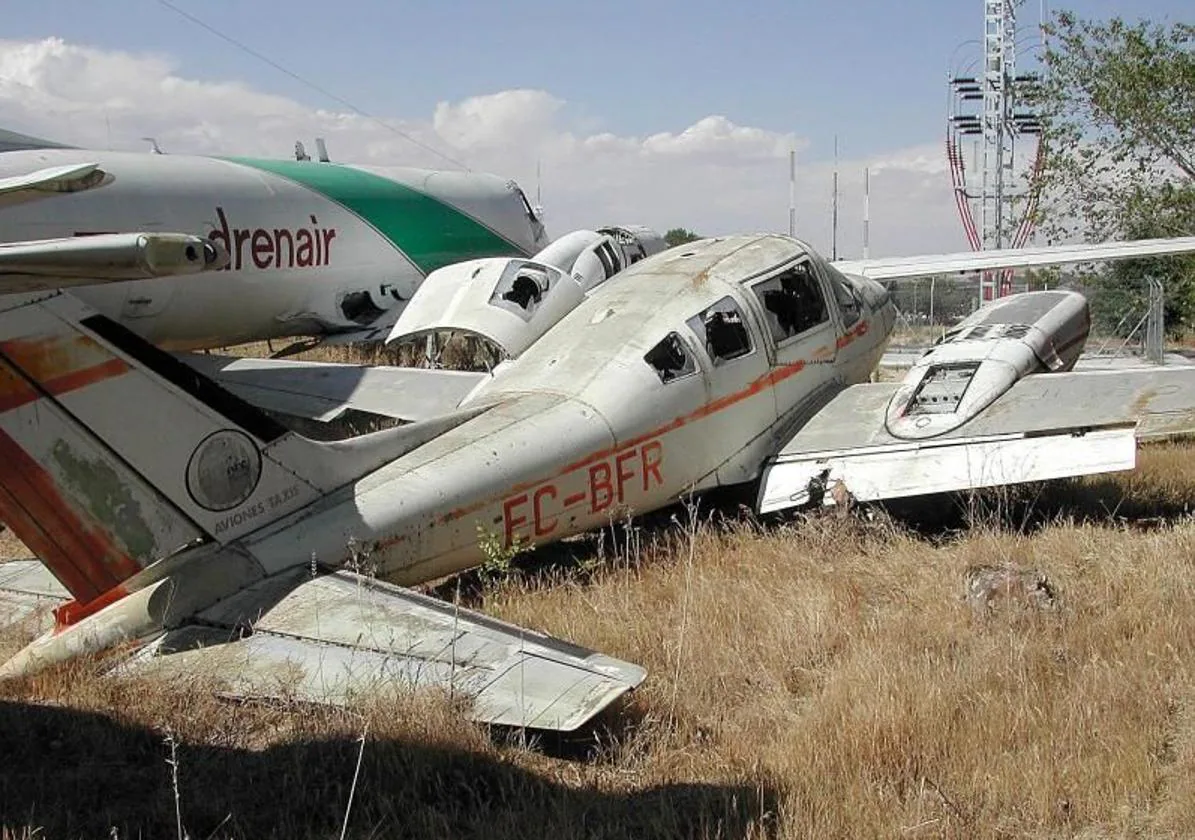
(793, 301)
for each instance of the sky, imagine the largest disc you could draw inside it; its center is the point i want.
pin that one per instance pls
(661, 113)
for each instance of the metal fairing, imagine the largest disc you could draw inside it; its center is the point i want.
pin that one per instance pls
(984, 356)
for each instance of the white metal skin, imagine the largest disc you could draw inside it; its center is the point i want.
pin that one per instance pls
(271, 288)
(580, 429)
(689, 370)
(512, 302)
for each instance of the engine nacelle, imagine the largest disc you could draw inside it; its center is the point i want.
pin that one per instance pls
(511, 302)
(984, 356)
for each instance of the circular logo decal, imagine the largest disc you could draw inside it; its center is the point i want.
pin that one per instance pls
(224, 470)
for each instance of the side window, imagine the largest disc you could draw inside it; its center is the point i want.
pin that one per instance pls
(670, 359)
(723, 330)
(522, 287)
(793, 301)
(848, 301)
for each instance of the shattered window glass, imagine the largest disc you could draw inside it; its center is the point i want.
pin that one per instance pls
(670, 359)
(522, 287)
(848, 300)
(723, 330)
(793, 301)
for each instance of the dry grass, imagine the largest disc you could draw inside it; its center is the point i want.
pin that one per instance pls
(821, 677)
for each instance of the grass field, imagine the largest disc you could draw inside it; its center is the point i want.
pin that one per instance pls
(820, 677)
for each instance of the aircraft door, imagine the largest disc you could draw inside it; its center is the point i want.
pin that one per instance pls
(803, 336)
(736, 360)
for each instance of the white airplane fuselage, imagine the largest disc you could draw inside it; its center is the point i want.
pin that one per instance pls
(583, 430)
(313, 247)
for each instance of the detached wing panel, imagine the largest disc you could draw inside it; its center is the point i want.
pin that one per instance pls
(333, 638)
(323, 391)
(1046, 426)
(902, 268)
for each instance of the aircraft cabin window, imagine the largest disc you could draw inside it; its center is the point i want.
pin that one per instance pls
(848, 300)
(793, 301)
(670, 359)
(522, 287)
(724, 331)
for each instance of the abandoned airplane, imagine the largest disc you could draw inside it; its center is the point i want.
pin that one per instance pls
(205, 536)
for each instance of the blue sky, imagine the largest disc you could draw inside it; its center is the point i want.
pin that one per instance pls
(657, 113)
(871, 71)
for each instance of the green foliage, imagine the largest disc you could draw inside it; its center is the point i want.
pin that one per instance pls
(1118, 104)
(497, 555)
(679, 236)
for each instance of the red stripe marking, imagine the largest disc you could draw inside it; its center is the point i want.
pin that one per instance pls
(73, 612)
(58, 365)
(762, 383)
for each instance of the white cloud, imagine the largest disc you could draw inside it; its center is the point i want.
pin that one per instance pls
(714, 176)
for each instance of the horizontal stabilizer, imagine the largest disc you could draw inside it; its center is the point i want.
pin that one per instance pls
(342, 636)
(323, 391)
(54, 180)
(45, 264)
(1050, 425)
(901, 268)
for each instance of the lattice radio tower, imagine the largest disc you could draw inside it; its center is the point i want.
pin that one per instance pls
(985, 106)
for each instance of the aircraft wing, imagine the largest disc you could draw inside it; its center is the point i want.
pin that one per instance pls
(53, 180)
(901, 268)
(1049, 425)
(323, 390)
(331, 638)
(38, 265)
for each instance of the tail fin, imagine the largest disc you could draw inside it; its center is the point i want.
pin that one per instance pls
(114, 454)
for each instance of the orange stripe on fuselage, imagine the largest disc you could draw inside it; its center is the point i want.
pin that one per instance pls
(767, 381)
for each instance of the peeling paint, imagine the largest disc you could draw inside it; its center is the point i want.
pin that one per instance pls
(104, 495)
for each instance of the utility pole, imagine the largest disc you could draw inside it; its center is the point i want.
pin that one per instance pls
(834, 212)
(792, 192)
(866, 212)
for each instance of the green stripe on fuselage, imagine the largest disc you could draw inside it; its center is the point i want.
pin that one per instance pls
(429, 232)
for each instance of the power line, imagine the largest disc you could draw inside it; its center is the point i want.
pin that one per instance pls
(301, 80)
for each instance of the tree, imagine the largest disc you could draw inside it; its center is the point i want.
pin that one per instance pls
(1118, 106)
(679, 236)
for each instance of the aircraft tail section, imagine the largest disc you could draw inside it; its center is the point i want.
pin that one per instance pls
(115, 454)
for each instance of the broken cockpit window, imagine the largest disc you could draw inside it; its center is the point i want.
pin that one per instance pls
(522, 287)
(723, 330)
(670, 359)
(848, 298)
(793, 300)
